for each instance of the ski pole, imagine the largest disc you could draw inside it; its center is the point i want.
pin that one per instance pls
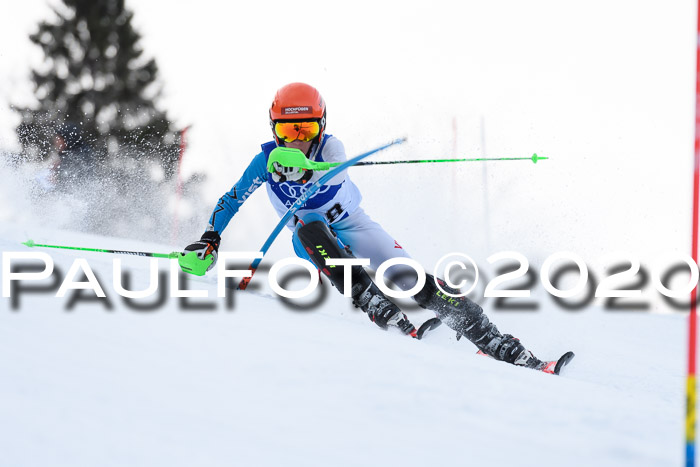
(534, 159)
(290, 157)
(31, 244)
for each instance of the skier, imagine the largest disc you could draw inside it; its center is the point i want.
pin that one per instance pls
(332, 224)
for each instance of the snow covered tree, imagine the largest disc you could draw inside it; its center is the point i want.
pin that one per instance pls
(96, 77)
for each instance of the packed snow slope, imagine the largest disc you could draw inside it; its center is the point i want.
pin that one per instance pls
(262, 384)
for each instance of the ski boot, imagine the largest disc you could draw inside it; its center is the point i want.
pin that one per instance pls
(468, 320)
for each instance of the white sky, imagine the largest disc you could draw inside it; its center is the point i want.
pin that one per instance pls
(604, 88)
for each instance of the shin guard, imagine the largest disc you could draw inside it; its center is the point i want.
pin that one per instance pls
(320, 243)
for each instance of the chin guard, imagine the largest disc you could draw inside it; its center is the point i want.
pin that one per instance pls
(290, 157)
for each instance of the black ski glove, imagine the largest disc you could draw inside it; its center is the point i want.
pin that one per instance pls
(207, 245)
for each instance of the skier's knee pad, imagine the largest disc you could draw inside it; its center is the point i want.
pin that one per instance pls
(319, 242)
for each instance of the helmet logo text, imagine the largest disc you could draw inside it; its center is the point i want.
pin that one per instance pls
(301, 109)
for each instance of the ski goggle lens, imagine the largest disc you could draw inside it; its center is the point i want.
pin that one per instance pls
(302, 131)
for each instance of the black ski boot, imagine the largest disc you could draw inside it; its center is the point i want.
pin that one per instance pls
(509, 349)
(382, 311)
(468, 319)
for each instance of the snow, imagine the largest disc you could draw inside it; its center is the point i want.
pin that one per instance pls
(262, 384)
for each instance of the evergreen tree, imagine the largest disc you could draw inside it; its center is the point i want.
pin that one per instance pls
(95, 76)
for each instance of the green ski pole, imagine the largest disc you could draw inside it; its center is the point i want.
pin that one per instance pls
(189, 262)
(289, 157)
(31, 244)
(534, 159)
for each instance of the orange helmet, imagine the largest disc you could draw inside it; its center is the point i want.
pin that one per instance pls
(298, 101)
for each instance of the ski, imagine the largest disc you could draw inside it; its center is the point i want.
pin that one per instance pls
(552, 367)
(429, 325)
(563, 361)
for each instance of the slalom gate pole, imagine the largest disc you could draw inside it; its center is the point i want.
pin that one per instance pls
(692, 317)
(299, 203)
(31, 244)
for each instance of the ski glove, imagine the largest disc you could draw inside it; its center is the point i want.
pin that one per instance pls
(288, 174)
(207, 245)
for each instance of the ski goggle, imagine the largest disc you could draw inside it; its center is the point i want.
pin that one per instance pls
(300, 130)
